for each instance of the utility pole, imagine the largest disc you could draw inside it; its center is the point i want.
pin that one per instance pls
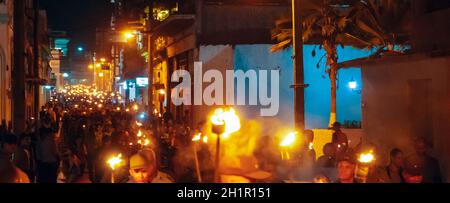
(36, 57)
(299, 86)
(150, 58)
(19, 67)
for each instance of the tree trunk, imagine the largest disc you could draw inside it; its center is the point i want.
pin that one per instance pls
(331, 49)
(333, 73)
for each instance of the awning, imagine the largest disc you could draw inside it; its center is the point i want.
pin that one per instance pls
(174, 24)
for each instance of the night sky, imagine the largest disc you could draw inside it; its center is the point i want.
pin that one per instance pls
(79, 18)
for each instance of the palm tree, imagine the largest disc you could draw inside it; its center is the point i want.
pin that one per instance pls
(362, 24)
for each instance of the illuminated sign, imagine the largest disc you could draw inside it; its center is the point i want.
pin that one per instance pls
(142, 82)
(105, 67)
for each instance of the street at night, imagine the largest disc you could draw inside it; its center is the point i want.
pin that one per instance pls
(224, 91)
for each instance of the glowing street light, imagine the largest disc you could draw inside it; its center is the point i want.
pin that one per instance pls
(128, 35)
(91, 66)
(352, 85)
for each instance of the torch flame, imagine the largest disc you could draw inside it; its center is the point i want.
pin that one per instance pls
(135, 107)
(114, 161)
(217, 117)
(146, 142)
(138, 124)
(197, 137)
(228, 118)
(366, 157)
(139, 134)
(310, 146)
(288, 140)
(205, 139)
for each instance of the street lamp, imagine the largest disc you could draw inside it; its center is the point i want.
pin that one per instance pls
(128, 35)
(91, 66)
(352, 84)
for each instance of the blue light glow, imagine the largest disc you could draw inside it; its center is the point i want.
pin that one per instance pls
(142, 116)
(352, 85)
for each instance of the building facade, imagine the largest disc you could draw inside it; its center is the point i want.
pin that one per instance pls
(6, 59)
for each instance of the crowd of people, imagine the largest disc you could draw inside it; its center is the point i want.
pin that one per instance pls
(79, 131)
(343, 162)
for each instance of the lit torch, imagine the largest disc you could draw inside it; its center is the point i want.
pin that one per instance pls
(364, 162)
(311, 145)
(224, 123)
(286, 143)
(114, 162)
(146, 142)
(197, 165)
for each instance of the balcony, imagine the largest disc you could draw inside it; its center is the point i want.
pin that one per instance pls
(174, 24)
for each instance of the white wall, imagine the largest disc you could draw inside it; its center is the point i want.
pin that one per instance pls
(386, 118)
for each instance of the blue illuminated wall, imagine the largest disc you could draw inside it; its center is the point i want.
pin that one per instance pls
(62, 44)
(317, 95)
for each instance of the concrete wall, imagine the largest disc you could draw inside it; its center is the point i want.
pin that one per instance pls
(317, 95)
(387, 120)
(217, 58)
